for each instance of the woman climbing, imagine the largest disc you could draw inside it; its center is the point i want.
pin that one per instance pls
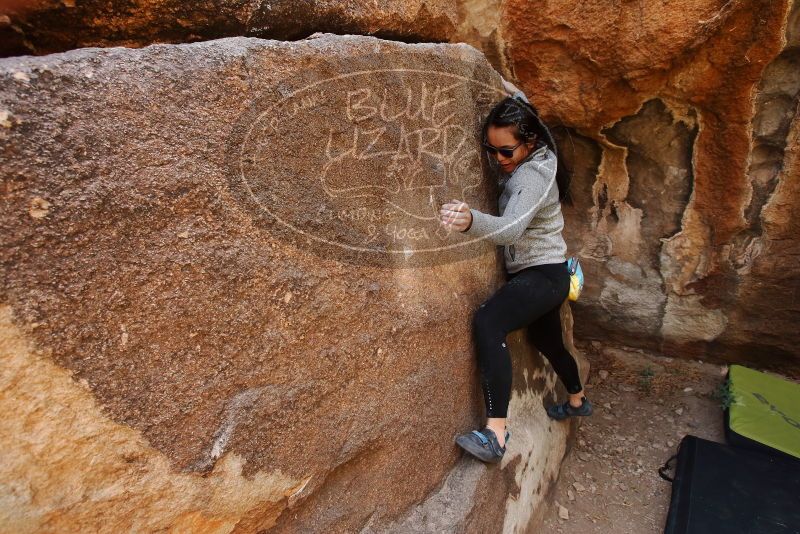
(524, 154)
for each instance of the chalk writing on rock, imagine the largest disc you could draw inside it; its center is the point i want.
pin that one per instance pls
(363, 161)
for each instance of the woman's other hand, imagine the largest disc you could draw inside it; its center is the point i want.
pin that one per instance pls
(456, 215)
(509, 87)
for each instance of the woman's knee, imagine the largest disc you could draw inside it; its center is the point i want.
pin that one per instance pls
(483, 319)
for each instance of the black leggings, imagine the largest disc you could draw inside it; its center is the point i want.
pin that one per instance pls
(531, 297)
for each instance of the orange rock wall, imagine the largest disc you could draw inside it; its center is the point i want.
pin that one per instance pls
(677, 118)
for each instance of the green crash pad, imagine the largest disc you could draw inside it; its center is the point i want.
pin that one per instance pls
(764, 411)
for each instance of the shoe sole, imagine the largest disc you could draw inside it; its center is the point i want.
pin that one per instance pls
(570, 415)
(485, 455)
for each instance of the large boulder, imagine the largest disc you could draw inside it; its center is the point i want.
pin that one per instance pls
(226, 305)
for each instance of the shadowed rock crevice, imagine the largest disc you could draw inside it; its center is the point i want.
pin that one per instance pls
(581, 155)
(55, 26)
(643, 189)
(776, 104)
(659, 163)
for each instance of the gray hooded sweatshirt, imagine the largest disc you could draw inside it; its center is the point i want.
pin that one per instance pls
(530, 222)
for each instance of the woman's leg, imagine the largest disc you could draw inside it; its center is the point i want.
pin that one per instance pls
(523, 299)
(545, 333)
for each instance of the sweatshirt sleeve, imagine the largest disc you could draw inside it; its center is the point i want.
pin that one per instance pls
(527, 196)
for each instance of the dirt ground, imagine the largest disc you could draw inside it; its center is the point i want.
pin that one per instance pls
(643, 406)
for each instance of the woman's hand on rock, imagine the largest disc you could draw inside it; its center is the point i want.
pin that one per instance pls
(456, 215)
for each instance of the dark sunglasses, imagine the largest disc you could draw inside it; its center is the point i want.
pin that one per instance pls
(506, 152)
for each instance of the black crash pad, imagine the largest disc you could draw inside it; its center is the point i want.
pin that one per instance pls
(719, 489)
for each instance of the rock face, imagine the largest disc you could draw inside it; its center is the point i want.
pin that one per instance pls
(185, 347)
(677, 118)
(47, 26)
(680, 121)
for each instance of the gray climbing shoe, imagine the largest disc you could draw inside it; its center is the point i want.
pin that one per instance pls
(562, 411)
(483, 445)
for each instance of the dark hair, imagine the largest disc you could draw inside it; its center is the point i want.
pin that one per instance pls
(515, 112)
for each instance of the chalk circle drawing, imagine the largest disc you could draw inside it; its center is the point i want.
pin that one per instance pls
(358, 164)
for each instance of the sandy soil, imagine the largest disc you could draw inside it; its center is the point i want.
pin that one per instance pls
(643, 406)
